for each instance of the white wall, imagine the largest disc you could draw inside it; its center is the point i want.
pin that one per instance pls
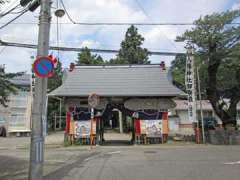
(183, 116)
(19, 118)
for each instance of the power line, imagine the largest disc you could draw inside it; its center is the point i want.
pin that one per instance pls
(127, 24)
(117, 24)
(9, 22)
(3, 49)
(57, 31)
(142, 9)
(32, 46)
(9, 11)
(149, 17)
(68, 15)
(141, 24)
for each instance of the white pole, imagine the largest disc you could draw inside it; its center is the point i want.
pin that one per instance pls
(200, 100)
(120, 121)
(91, 131)
(60, 114)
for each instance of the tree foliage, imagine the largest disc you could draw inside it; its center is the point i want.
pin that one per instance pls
(131, 51)
(6, 86)
(217, 43)
(53, 104)
(178, 69)
(3, 1)
(56, 80)
(86, 58)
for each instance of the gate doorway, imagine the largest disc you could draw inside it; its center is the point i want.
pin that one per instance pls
(117, 128)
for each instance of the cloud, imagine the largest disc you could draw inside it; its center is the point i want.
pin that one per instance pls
(236, 6)
(90, 44)
(106, 37)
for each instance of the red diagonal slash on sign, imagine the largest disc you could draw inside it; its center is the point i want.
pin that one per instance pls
(44, 67)
(39, 63)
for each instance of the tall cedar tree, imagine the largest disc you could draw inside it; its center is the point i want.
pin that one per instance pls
(217, 43)
(86, 58)
(131, 51)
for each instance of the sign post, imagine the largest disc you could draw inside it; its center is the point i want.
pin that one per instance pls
(93, 101)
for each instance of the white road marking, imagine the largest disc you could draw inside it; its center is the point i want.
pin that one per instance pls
(114, 152)
(92, 157)
(232, 163)
(87, 159)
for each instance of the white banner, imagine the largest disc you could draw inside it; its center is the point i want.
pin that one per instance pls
(153, 128)
(82, 128)
(190, 86)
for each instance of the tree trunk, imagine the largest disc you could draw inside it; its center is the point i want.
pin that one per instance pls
(227, 116)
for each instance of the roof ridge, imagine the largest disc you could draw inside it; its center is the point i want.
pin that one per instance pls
(118, 66)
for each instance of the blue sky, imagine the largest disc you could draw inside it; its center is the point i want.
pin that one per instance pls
(157, 38)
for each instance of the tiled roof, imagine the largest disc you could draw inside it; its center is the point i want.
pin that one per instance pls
(206, 105)
(121, 81)
(24, 80)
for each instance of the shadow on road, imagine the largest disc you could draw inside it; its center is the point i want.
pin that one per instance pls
(117, 143)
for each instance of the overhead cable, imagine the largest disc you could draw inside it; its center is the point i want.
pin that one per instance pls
(127, 23)
(118, 24)
(32, 46)
(68, 15)
(142, 9)
(9, 22)
(149, 17)
(9, 11)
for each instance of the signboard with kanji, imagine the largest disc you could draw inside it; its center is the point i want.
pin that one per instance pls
(82, 128)
(190, 87)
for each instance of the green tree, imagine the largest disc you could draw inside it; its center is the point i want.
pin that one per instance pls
(56, 80)
(178, 69)
(6, 86)
(131, 51)
(53, 104)
(217, 45)
(86, 58)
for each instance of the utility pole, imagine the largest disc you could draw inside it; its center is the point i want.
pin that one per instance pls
(39, 100)
(200, 101)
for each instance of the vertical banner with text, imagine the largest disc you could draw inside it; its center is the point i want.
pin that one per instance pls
(190, 85)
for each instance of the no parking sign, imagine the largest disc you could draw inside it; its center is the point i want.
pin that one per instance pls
(43, 66)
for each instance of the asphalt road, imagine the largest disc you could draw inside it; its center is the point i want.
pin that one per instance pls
(154, 163)
(164, 162)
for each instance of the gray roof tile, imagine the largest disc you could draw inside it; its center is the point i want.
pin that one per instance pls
(23, 80)
(135, 80)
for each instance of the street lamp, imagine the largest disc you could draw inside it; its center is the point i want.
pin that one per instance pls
(59, 13)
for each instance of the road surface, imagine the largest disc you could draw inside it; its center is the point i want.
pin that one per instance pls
(154, 163)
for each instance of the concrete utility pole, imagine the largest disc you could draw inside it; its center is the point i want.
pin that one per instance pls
(201, 111)
(38, 110)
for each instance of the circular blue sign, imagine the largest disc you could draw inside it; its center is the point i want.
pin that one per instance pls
(43, 67)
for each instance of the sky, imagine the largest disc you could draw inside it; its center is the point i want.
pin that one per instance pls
(157, 38)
